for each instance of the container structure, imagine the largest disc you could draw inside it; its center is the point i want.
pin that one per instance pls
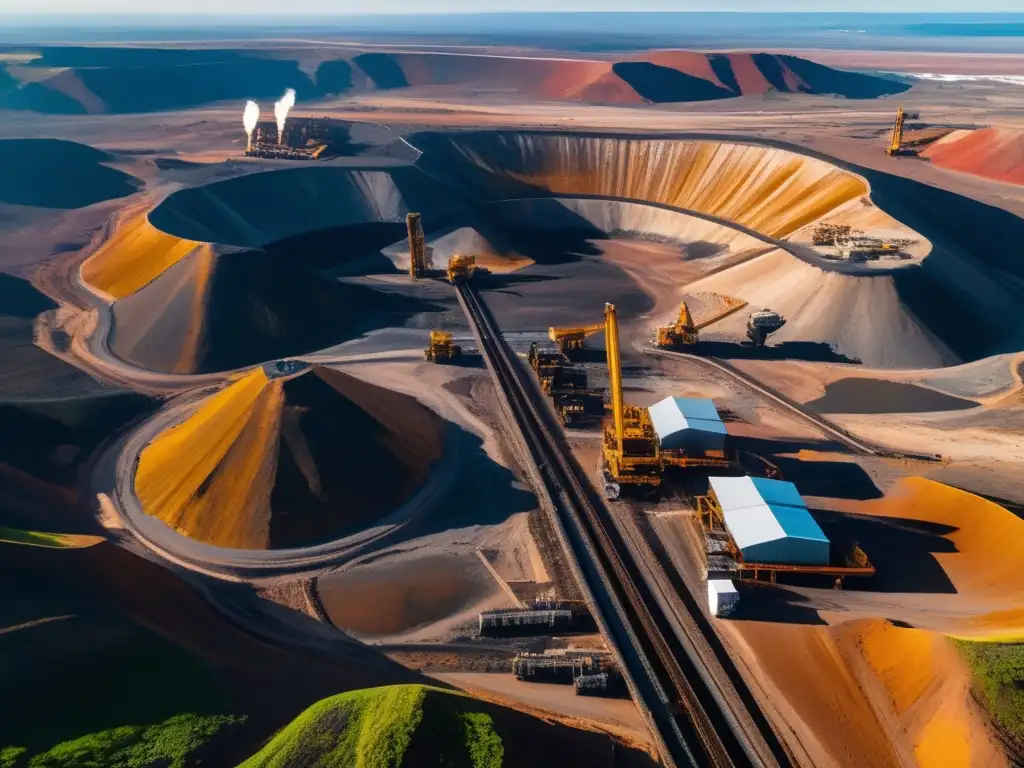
(722, 597)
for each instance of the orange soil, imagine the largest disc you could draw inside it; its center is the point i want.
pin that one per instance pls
(989, 549)
(135, 254)
(212, 477)
(819, 697)
(927, 685)
(769, 190)
(994, 153)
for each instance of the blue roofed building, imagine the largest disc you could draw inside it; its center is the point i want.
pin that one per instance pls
(769, 521)
(689, 424)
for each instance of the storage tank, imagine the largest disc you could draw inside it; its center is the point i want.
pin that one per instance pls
(688, 424)
(769, 521)
(722, 597)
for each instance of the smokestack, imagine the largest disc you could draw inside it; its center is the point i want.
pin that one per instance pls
(250, 117)
(281, 110)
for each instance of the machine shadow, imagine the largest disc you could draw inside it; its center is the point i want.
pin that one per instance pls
(809, 351)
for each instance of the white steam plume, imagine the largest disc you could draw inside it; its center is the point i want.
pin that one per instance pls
(250, 117)
(281, 110)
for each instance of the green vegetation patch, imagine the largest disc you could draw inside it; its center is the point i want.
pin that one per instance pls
(396, 726)
(16, 536)
(101, 692)
(169, 744)
(999, 679)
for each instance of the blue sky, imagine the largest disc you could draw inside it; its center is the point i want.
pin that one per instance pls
(357, 7)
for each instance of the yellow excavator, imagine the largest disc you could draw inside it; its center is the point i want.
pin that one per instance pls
(630, 450)
(572, 341)
(684, 332)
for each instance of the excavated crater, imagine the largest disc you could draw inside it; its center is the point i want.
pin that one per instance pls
(536, 207)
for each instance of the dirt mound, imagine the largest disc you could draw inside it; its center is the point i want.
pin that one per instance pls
(659, 77)
(994, 153)
(120, 80)
(49, 173)
(928, 691)
(983, 563)
(894, 320)
(73, 80)
(252, 211)
(416, 725)
(98, 638)
(220, 309)
(285, 462)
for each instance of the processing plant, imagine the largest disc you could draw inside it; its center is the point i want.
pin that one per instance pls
(756, 525)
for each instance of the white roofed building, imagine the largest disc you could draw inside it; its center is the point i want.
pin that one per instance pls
(769, 521)
(689, 424)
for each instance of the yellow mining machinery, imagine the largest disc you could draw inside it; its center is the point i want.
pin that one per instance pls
(441, 349)
(461, 268)
(417, 247)
(566, 383)
(572, 341)
(684, 332)
(630, 451)
(897, 145)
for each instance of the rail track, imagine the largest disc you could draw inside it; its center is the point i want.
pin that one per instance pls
(693, 726)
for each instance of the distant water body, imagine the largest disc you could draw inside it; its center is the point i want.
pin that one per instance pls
(997, 32)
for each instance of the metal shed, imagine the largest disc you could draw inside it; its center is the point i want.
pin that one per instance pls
(769, 521)
(690, 424)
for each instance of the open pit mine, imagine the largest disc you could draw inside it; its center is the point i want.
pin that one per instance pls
(464, 401)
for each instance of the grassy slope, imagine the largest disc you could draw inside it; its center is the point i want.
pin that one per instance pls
(375, 728)
(16, 536)
(999, 678)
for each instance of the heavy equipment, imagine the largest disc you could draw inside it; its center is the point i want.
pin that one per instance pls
(572, 341)
(460, 268)
(417, 247)
(896, 143)
(630, 452)
(566, 383)
(441, 348)
(762, 324)
(896, 140)
(684, 332)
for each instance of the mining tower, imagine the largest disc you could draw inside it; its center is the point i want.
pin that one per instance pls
(417, 247)
(630, 451)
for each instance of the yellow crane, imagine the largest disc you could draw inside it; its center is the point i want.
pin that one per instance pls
(685, 332)
(417, 247)
(571, 340)
(896, 141)
(631, 453)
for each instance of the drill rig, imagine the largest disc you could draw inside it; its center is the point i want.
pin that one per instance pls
(684, 332)
(630, 451)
